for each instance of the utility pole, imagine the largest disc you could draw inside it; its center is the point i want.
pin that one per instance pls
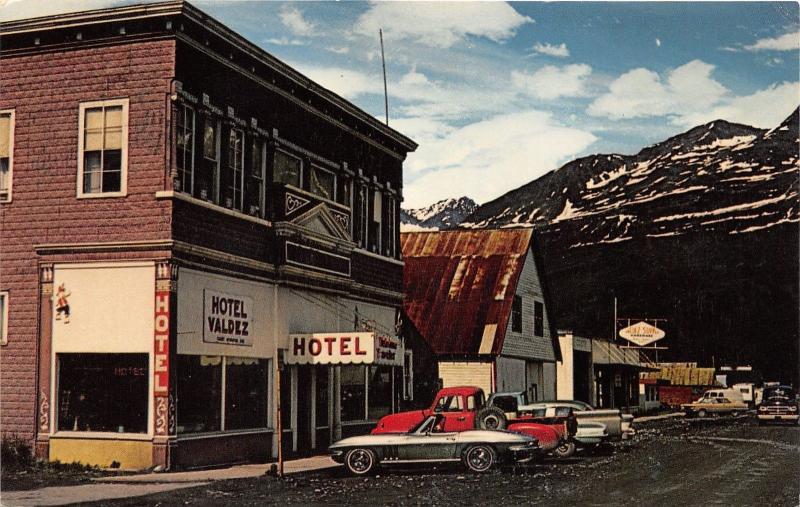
(385, 89)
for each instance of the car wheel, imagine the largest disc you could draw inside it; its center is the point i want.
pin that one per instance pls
(360, 461)
(701, 413)
(564, 450)
(490, 418)
(479, 458)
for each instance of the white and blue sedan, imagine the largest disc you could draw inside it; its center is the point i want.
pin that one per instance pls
(479, 450)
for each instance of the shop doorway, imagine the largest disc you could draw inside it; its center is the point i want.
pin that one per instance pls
(582, 376)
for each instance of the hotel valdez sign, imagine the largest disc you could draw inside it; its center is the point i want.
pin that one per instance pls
(227, 319)
(642, 333)
(344, 348)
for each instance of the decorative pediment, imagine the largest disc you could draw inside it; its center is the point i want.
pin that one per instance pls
(321, 220)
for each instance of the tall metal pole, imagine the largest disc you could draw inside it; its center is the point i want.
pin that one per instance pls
(614, 336)
(385, 90)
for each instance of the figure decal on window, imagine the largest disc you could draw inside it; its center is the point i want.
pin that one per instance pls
(62, 303)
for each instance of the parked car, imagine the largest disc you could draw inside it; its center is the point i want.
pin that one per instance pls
(713, 405)
(479, 450)
(618, 425)
(778, 404)
(464, 408)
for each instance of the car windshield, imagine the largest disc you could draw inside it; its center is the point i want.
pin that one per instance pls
(431, 424)
(451, 403)
(779, 392)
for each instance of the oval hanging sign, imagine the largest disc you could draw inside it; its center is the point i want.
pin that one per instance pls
(642, 333)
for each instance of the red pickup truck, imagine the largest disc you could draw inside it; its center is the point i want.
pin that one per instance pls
(464, 408)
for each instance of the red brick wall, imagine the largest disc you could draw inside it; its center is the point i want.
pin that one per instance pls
(45, 90)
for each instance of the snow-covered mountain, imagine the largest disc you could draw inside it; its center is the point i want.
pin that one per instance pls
(720, 176)
(444, 214)
(701, 229)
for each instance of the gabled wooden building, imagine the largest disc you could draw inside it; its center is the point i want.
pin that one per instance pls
(478, 297)
(180, 210)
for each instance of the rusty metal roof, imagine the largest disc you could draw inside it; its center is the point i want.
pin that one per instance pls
(459, 286)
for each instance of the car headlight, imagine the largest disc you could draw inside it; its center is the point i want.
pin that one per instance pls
(762, 409)
(792, 409)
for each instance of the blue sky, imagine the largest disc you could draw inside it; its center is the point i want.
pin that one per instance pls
(498, 94)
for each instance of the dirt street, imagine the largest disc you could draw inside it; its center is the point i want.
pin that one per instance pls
(674, 462)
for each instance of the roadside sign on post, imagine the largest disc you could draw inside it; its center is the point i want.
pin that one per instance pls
(642, 333)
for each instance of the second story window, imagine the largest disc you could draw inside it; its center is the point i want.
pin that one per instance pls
(184, 124)
(516, 314)
(538, 318)
(234, 175)
(207, 174)
(254, 190)
(323, 183)
(6, 154)
(375, 222)
(287, 169)
(103, 148)
(363, 216)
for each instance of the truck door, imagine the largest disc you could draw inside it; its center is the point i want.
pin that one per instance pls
(456, 415)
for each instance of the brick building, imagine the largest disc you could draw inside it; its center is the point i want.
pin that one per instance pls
(188, 223)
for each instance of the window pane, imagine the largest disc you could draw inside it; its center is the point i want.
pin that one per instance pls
(113, 138)
(245, 393)
(287, 169)
(111, 181)
(353, 393)
(323, 182)
(210, 140)
(199, 393)
(93, 119)
(103, 392)
(343, 195)
(380, 391)
(3, 175)
(93, 140)
(538, 318)
(2, 317)
(114, 116)
(5, 134)
(91, 172)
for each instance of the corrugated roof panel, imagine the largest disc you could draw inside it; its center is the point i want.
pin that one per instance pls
(451, 281)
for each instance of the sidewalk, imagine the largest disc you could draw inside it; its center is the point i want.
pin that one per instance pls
(108, 488)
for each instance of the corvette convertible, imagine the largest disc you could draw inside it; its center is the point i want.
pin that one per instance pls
(479, 450)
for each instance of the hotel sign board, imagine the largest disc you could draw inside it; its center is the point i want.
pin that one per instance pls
(227, 319)
(344, 348)
(642, 333)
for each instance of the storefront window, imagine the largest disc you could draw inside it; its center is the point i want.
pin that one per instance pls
(245, 393)
(199, 393)
(103, 392)
(380, 392)
(353, 393)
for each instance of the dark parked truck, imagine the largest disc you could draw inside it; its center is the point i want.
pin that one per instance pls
(778, 404)
(465, 408)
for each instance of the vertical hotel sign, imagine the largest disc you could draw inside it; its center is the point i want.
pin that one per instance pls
(161, 345)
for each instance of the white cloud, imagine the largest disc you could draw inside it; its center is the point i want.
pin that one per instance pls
(786, 42)
(347, 83)
(560, 51)
(765, 108)
(641, 93)
(658, 42)
(293, 19)
(285, 41)
(551, 82)
(342, 50)
(441, 24)
(487, 158)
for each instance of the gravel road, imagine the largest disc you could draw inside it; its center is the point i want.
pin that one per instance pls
(673, 462)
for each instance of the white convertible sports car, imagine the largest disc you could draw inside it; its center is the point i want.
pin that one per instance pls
(479, 450)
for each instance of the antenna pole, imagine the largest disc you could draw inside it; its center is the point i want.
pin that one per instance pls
(385, 92)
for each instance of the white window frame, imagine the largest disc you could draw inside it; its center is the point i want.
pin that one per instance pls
(11, 113)
(4, 323)
(302, 169)
(123, 191)
(335, 181)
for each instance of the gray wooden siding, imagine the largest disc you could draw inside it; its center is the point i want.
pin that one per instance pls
(525, 344)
